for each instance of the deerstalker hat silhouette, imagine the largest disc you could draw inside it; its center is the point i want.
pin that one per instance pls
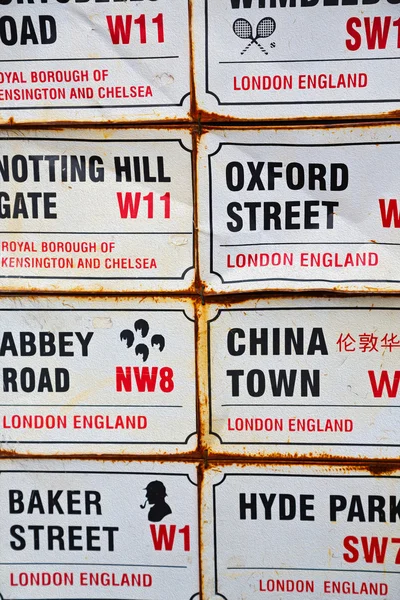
(157, 487)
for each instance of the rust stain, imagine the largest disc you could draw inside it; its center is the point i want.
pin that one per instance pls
(112, 458)
(395, 114)
(375, 467)
(197, 284)
(5, 453)
(202, 116)
(290, 125)
(228, 299)
(178, 124)
(382, 468)
(193, 102)
(109, 297)
(202, 369)
(234, 297)
(200, 504)
(104, 293)
(198, 378)
(209, 117)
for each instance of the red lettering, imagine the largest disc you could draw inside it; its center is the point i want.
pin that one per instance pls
(389, 213)
(349, 544)
(129, 207)
(185, 531)
(166, 379)
(397, 559)
(384, 382)
(397, 24)
(162, 537)
(145, 381)
(351, 30)
(120, 28)
(159, 21)
(374, 549)
(375, 33)
(167, 206)
(165, 537)
(123, 379)
(126, 205)
(141, 21)
(150, 205)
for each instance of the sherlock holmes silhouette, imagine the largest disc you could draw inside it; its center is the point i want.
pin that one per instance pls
(155, 495)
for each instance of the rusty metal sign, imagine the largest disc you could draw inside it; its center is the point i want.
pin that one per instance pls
(76, 529)
(279, 59)
(298, 209)
(90, 61)
(96, 210)
(300, 532)
(97, 375)
(302, 376)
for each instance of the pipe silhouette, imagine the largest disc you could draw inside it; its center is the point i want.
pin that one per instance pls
(144, 505)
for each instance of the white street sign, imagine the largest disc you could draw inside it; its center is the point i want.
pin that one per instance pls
(280, 59)
(302, 376)
(97, 375)
(296, 533)
(80, 529)
(96, 210)
(298, 209)
(93, 61)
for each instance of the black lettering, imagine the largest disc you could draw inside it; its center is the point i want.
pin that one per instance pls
(245, 506)
(235, 176)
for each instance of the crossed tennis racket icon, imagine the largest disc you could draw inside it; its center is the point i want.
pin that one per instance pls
(244, 31)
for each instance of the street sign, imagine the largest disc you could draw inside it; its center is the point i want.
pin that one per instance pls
(91, 529)
(86, 61)
(96, 210)
(299, 209)
(280, 59)
(300, 532)
(302, 376)
(97, 375)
